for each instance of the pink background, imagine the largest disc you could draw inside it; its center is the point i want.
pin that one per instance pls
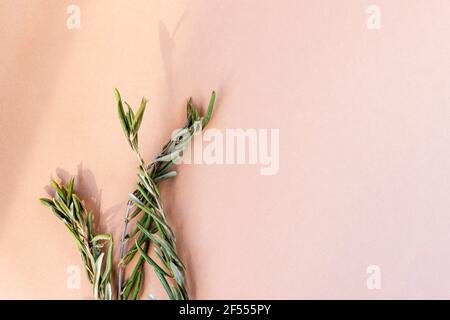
(364, 141)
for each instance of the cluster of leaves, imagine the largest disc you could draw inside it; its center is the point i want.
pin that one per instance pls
(68, 207)
(144, 207)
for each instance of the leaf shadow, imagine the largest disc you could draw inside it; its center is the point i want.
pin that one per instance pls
(87, 189)
(167, 46)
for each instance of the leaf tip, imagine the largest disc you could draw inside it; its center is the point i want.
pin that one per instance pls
(117, 94)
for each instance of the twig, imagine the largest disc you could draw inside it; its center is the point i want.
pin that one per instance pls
(122, 250)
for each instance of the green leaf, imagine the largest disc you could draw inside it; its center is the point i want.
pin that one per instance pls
(147, 222)
(89, 223)
(190, 111)
(69, 190)
(145, 183)
(129, 285)
(169, 157)
(58, 190)
(165, 285)
(135, 200)
(166, 176)
(101, 237)
(108, 266)
(208, 115)
(155, 189)
(177, 293)
(130, 114)
(122, 116)
(137, 286)
(108, 292)
(97, 272)
(157, 220)
(76, 203)
(177, 274)
(135, 212)
(128, 257)
(47, 202)
(162, 243)
(126, 290)
(143, 193)
(51, 205)
(150, 261)
(138, 118)
(62, 206)
(117, 94)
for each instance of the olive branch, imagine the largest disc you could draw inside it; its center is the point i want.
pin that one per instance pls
(68, 207)
(144, 204)
(144, 209)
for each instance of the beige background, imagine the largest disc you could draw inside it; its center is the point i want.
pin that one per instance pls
(364, 140)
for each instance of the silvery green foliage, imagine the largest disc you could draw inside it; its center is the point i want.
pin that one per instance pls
(145, 210)
(68, 207)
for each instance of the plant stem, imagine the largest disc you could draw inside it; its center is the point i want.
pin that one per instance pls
(124, 233)
(122, 250)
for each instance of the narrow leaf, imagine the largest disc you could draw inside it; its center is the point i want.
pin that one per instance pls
(138, 118)
(150, 261)
(179, 278)
(122, 116)
(98, 266)
(69, 190)
(137, 286)
(166, 176)
(210, 110)
(165, 285)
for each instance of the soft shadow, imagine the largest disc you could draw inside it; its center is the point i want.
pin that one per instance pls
(167, 46)
(88, 190)
(85, 186)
